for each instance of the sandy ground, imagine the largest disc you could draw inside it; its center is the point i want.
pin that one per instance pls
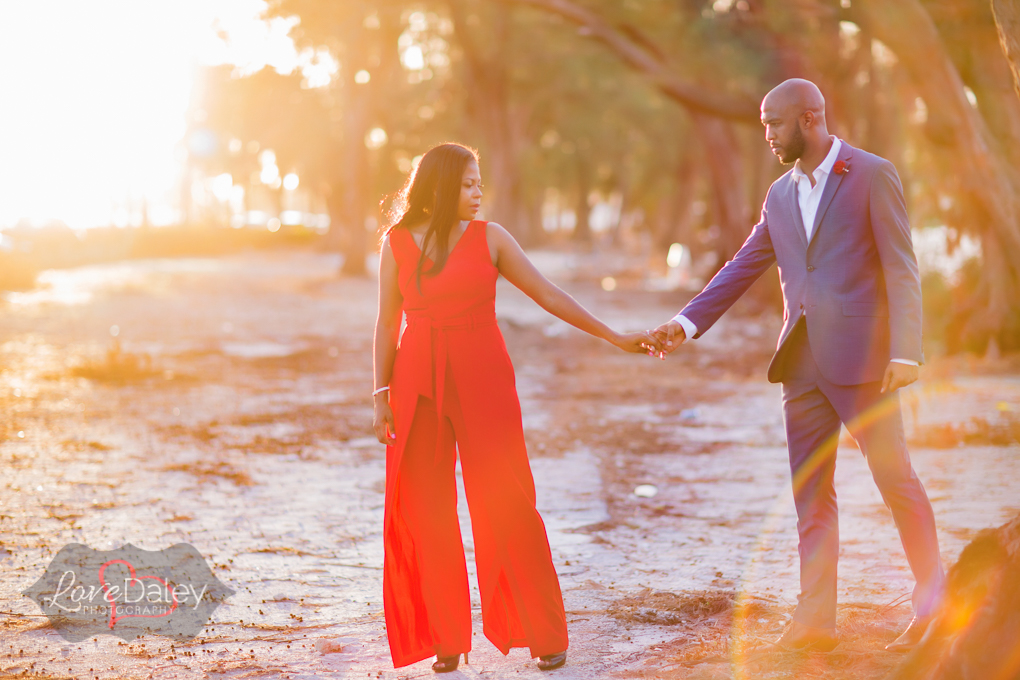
(235, 416)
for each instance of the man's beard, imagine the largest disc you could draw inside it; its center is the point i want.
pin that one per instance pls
(795, 149)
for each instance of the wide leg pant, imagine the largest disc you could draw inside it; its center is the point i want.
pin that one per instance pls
(511, 547)
(813, 409)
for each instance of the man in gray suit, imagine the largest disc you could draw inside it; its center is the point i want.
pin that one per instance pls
(837, 226)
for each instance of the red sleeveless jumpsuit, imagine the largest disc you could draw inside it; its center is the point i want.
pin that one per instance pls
(453, 384)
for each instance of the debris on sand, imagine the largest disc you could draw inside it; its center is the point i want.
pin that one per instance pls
(671, 609)
(646, 490)
(210, 470)
(118, 367)
(1001, 430)
(328, 646)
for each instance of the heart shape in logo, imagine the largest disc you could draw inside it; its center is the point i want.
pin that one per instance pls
(113, 603)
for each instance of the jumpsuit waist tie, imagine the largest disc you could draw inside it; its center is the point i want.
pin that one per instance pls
(429, 354)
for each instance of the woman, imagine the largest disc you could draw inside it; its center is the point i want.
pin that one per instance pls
(450, 382)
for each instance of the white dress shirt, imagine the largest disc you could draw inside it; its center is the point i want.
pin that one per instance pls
(810, 195)
(808, 198)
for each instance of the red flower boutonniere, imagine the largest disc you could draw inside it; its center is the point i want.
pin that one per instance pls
(840, 167)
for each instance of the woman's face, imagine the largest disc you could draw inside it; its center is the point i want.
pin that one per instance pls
(470, 192)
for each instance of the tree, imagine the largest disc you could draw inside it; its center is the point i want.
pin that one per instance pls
(1007, 21)
(263, 111)
(976, 151)
(362, 37)
(974, 146)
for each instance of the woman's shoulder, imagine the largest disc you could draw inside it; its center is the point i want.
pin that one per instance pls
(396, 235)
(394, 242)
(494, 229)
(499, 236)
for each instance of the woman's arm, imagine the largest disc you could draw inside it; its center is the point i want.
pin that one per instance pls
(516, 268)
(387, 330)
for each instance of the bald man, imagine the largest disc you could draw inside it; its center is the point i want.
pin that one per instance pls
(837, 226)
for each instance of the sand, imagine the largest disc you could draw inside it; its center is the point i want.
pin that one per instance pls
(231, 411)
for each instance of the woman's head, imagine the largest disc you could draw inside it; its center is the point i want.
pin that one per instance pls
(443, 190)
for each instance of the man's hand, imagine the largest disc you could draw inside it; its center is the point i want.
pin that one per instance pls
(898, 375)
(670, 335)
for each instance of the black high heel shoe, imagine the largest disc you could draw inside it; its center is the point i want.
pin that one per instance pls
(448, 664)
(551, 662)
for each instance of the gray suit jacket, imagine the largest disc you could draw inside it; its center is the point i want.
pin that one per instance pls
(856, 281)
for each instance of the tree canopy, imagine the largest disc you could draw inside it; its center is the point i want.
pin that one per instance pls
(656, 102)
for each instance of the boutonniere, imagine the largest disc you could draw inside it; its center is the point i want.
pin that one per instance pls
(840, 167)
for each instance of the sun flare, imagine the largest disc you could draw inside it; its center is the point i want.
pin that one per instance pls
(96, 96)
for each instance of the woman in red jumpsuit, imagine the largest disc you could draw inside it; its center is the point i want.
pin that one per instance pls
(450, 382)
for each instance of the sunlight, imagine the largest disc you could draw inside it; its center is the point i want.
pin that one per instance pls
(126, 70)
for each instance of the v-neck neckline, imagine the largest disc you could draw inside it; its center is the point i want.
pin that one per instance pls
(452, 250)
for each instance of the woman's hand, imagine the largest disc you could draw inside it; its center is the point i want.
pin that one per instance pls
(383, 420)
(638, 343)
(387, 330)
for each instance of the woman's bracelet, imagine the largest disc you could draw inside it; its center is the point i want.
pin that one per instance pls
(380, 390)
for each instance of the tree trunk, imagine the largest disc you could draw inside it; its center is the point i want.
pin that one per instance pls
(726, 171)
(500, 125)
(1007, 21)
(351, 203)
(582, 211)
(673, 219)
(348, 204)
(501, 172)
(987, 71)
(987, 180)
(533, 211)
(882, 132)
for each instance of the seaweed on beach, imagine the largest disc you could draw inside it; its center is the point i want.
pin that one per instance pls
(664, 608)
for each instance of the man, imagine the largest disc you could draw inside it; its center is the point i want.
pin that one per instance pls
(836, 224)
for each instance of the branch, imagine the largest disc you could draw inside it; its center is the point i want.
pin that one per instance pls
(639, 52)
(1007, 21)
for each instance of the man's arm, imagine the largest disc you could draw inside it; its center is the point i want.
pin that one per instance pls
(891, 230)
(732, 281)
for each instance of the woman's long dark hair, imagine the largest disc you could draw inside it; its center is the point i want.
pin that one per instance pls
(432, 191)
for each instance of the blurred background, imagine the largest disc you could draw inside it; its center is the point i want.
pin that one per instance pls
(192, 194)
(158, 129)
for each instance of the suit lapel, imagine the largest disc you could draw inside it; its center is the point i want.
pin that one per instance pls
(831, 184)
(794, 206)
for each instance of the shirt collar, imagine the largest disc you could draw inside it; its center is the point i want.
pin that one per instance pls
(825, 167)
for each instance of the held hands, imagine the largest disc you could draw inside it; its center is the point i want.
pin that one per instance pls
(898, 375)
(642, 342)
(670, 336)
(382, 422)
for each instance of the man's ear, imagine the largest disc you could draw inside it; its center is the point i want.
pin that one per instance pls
(808, 119)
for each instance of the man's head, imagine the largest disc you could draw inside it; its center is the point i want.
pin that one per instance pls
(793, 114)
